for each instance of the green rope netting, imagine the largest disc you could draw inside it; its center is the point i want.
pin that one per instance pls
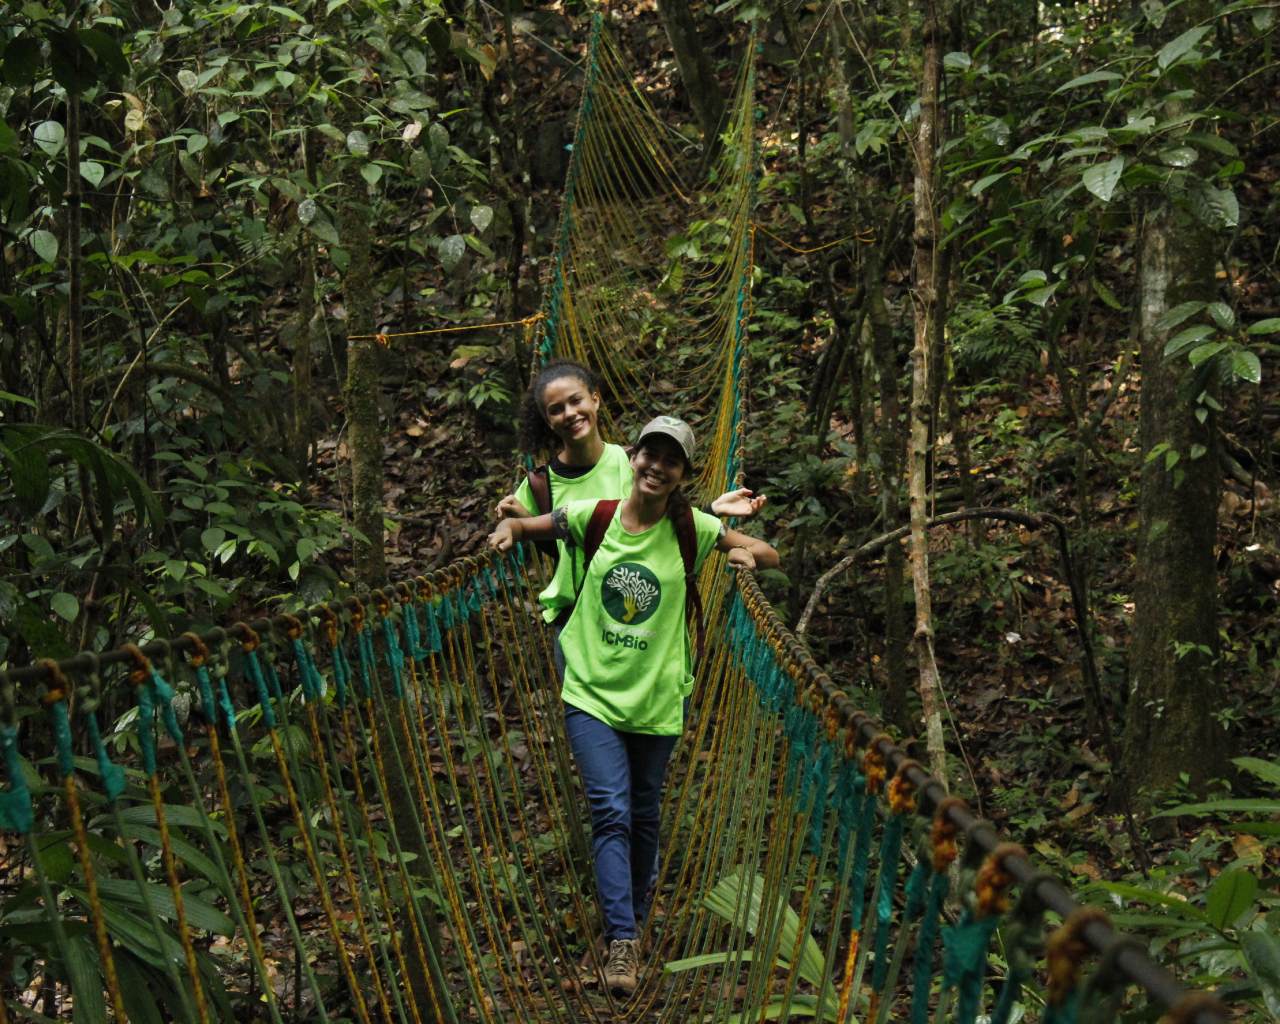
(286, 875)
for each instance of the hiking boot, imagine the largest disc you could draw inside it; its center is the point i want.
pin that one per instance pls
(623, 969)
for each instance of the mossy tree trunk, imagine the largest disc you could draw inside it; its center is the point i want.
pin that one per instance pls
(360, 393)
(926, 145)
(1170, 726)
(888, 482)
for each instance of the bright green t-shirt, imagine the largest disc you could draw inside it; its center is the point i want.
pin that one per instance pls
(626, 646)
(608, 479)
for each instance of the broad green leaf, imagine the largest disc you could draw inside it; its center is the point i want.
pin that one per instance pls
(49, 136)
(711, 959)
(125, 893)
(1179, 156)
(957, 60)
(286, 78)
(1222, 315)
(1223, 807)
(187, 79)
(1246, 366)
(437, 139)
(1270, 326)
(1265, 770)
(195, 143)
(21, 59)
(1089, 79)
(983, 183)
(1184, 340)
(1106, 294)
(1204, 352)
(481, 217)
(82, 969)
(135, 986)
(1102, 179)
(1176, 315)
(371, 173)
(65, 606)
(1230, 896)
(451, 250)
(358, 142)
(1176, 49)
(45, 243)
(1262, 954)
(1151, 896)
(1214, 142)
(92, 172)
(174, 814)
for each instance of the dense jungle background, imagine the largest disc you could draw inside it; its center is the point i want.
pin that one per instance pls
(223, 223)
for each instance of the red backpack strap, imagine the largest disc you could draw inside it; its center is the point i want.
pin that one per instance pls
(540, 491)
(601, 517)
(540, 488)
(687, 535)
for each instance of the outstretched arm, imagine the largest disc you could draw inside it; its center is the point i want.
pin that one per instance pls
(738, 503)
(747, 552)
(513, 531)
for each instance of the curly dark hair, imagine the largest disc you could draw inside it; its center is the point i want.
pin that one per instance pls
(535, 434)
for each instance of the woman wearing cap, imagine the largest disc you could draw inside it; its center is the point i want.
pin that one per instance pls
(561, 410)
(628, 663)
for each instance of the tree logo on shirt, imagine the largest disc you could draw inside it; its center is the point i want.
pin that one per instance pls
(630, 593)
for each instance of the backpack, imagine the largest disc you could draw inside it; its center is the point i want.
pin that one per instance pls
(686, 535)
(540, 489)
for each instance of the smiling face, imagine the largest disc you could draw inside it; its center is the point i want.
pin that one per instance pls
(658, 465)
(570, 408)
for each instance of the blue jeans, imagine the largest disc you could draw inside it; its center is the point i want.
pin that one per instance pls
(622, 774)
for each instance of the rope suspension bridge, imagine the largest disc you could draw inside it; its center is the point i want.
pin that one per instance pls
(366, 812)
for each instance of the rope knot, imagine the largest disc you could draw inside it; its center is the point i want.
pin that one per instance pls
(140, 674)
(902, 791)
(249, 637)
(330, 619)
(873, 766)
(832, 724)
(991, 889)
(199, 654)
(1065, 952)
(942, 839)
(55, 690)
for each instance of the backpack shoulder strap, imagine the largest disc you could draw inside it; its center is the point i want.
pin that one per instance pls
(540, 488)
(687, 535)
(597, 525)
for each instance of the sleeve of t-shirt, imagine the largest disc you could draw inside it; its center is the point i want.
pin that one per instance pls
(570, 521)
(708, 530)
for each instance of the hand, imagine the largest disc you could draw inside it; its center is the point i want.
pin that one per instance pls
(509, 508)
(741, 558)
(738, 503)
(502, 538)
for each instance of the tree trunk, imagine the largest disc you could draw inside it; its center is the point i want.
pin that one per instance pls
(896, 711)
(1170, 727)
(360, 393)
(302, 364)
(927, 142)
(696, 69)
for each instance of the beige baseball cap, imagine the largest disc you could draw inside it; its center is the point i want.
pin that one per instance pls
(676, 429)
